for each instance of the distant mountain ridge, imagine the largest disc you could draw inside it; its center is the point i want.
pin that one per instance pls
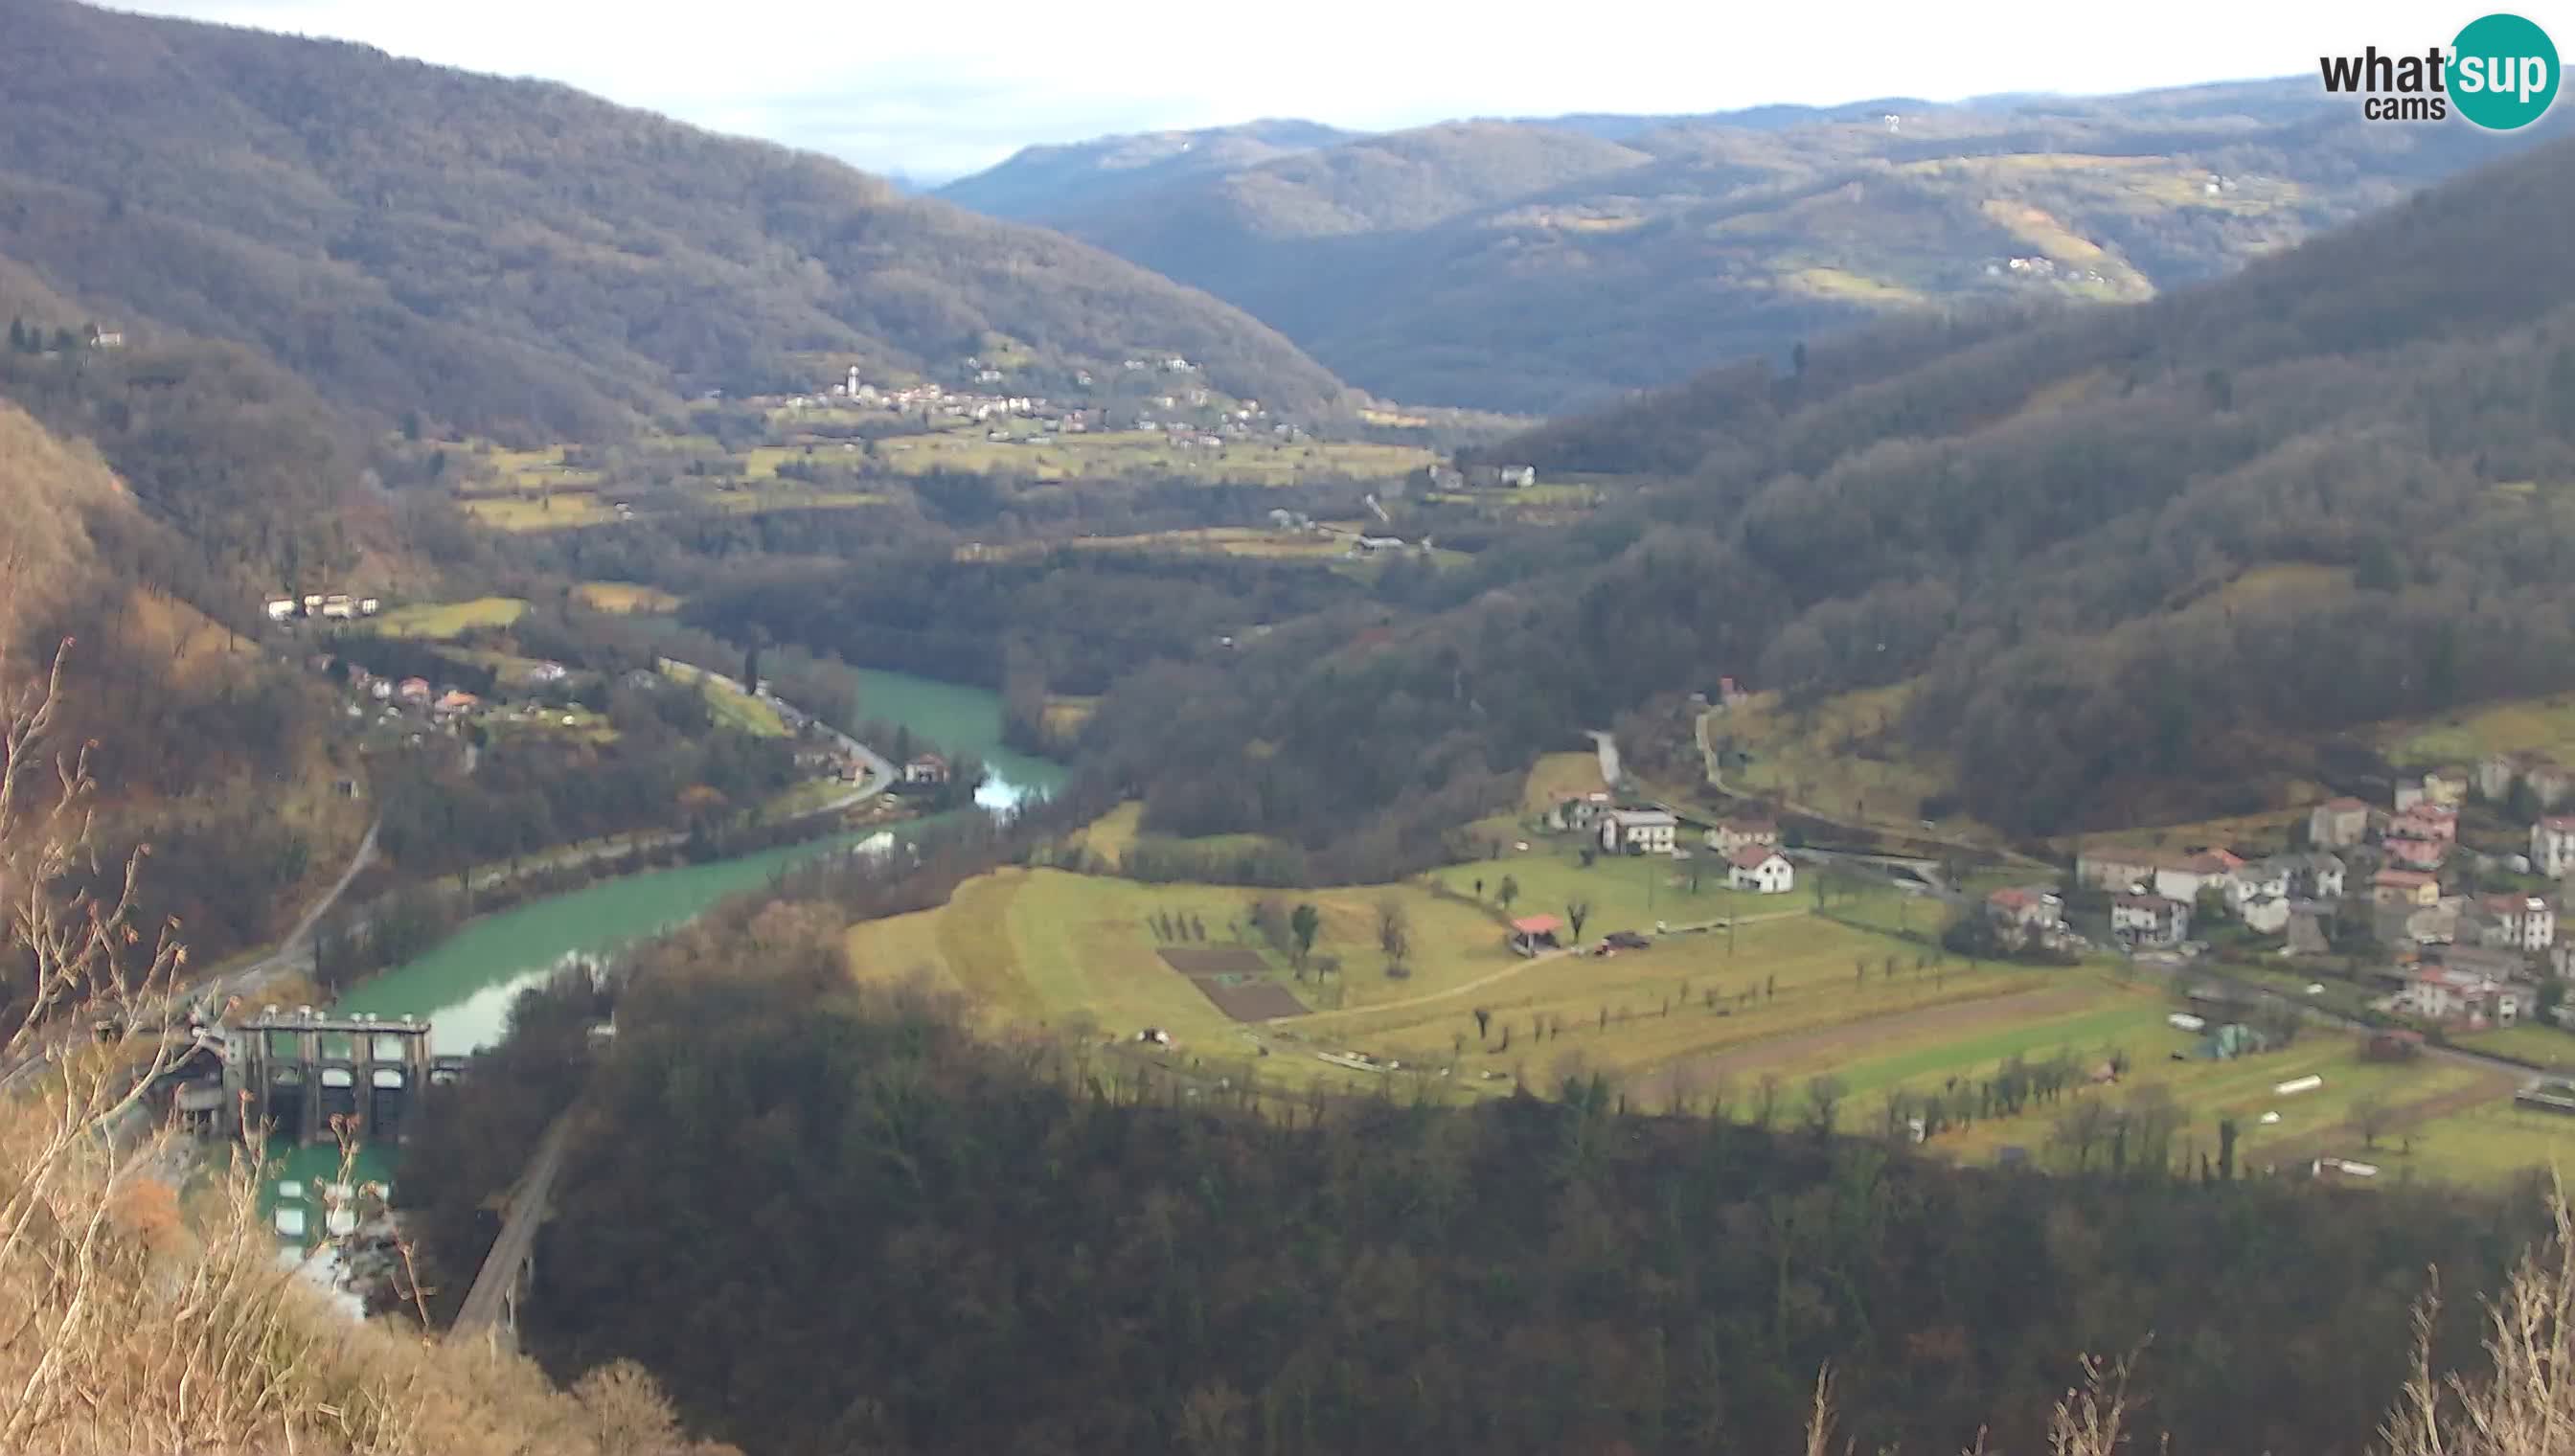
(1037, 182)
(1534, 266)
(514, 256)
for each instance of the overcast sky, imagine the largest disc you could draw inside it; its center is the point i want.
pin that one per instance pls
(937, 90)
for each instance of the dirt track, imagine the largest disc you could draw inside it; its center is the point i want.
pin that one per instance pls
(1822, 1043)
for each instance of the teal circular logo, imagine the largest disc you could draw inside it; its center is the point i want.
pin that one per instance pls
(2503, 72)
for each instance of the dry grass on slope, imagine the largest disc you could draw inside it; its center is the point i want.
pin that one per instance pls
(46, 486)
(129, 1324)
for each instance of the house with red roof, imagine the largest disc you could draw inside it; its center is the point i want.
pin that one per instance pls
(2025, 908)
(2416, 853)
(2464, 998)
(1731, 834)
(1534, 933)
(1760, 869)
(2426, 820)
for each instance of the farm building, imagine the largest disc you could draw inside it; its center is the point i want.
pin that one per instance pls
(2115, 869)
(1534, 933)
(1762, 870)
(1639, 831)
(1731, 834)
(927, 769)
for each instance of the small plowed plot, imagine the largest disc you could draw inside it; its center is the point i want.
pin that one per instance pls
(1236, 978)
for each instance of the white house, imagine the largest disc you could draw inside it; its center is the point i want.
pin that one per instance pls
(2150, 919)
(2552, 845)
(2264, 914)
(927, 769)
(280, 608)
(2184, 879)
(1762, 870)
(2520, 922)
(2313, 875)
(1639, 831)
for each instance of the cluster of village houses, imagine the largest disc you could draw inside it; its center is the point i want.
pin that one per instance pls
(2454, 957)
(1749, 847)
(334, 605)
(1180, 415)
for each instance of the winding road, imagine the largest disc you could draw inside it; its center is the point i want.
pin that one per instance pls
(210, 994)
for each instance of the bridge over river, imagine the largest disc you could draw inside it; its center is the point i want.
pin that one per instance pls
(491, 1308)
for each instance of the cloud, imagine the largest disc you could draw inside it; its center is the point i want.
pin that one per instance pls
(888, 89)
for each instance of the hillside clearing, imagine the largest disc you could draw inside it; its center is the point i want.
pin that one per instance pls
(447, 620)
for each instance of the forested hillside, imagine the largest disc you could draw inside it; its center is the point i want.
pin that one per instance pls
(838, 1191)
(1534, 266)
(2128, 562)
(513, 256)
(227, 475)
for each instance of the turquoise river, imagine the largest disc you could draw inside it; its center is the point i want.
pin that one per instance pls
(464, 986)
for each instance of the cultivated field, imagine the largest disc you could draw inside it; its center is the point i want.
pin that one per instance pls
(1264, 462)
(446, 620)
(1110, 836)
(2541, 725)
(624, 596)
(1626, 892)
(1841, 756)
(2491, 1143)
(566, 510)
(1739, 1012)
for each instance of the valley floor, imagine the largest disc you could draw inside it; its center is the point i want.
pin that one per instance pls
(1776, 1008)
